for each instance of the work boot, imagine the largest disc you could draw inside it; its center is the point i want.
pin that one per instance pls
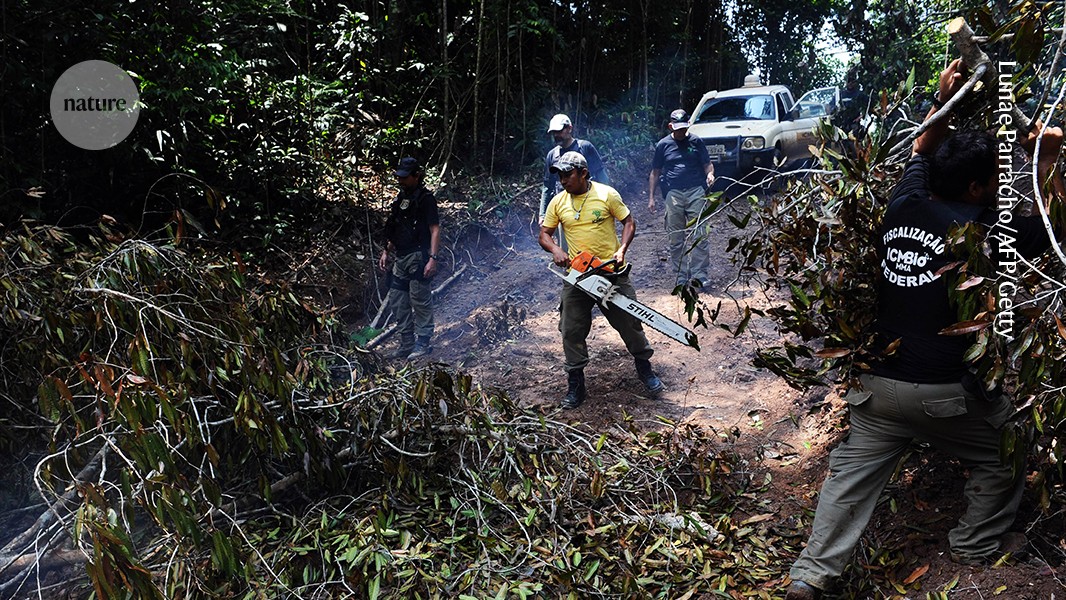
(407, 344)
(801, 590)
(575, 392)
(648, 377)
(421, 348)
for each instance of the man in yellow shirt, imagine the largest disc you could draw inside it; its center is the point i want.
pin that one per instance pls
(588, 212)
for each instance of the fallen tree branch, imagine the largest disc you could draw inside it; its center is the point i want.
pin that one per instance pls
(23, 553)
(22, 542)
(68, 557)
(451, 430)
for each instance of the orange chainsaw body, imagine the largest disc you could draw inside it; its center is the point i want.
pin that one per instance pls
(587, 260)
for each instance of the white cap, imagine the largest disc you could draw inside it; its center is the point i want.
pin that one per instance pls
(558, 123)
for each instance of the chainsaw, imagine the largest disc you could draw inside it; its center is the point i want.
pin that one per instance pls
(593, 276)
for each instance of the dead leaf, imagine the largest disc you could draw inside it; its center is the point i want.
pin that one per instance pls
(916, 575)
(832, 352)
(965, 327)
(1062, 330)
(758, 519)
(947, 267)
(969, 283)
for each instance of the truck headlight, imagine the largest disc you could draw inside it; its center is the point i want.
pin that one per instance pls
(753, 143)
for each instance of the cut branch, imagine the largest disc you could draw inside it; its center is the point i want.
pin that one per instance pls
(973, 57)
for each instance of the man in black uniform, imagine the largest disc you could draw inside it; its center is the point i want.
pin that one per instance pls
(852, 106)
(413, 233)
(917, 392)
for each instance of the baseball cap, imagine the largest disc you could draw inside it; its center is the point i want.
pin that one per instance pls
(407, 166)
(568, 162)
(559, 122)
(679, 119)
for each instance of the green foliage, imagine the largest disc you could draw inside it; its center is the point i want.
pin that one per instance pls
(173, 360)
(455, 492)
(784, 35)
(815, 242)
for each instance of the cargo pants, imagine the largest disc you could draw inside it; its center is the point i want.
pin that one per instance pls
(884, 420)
(688, 261)
(410, 298)
(575, 322)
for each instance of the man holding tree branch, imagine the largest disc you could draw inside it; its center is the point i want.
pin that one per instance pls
(923, 388)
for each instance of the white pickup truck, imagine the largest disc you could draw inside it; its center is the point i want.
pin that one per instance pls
(759, 127)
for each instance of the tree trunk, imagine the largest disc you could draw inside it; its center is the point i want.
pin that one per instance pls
(684, 55)
(445, 88)
(477, 75)
(522, 92)
(644, 48)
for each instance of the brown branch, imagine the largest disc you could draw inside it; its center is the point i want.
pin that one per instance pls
(59, 559)
(975, 60)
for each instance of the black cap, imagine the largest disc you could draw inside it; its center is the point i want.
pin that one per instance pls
(408, 165)
(679, 119)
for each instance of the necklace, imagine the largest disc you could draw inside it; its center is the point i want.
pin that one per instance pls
(584, 199)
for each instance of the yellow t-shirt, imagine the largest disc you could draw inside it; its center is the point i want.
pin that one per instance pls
(588, 220)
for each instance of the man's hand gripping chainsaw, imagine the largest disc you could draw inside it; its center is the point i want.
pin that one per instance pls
(593, 276)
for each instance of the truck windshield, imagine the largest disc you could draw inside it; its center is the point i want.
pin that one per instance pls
(737, 108)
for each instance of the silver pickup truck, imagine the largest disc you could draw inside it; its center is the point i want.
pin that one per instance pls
(760, 127)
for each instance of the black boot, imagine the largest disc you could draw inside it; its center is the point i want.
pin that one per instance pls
(801, 590)
(422, 348)
(648, 377)
(407, 343)
(575, 392)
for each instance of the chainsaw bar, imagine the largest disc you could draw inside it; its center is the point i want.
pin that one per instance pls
(605, 292)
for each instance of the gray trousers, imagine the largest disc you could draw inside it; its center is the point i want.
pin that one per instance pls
(409, 298)
(575, 322)
(884, 420)
(689, 262)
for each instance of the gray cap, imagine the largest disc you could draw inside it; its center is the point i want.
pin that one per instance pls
(568, 162)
